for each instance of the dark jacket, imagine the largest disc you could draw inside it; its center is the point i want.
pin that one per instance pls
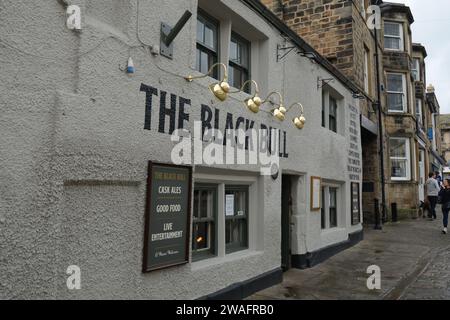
(444, 196)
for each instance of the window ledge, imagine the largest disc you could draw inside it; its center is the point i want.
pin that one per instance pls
(394, 50)
(236, 256)
(397, 113)
(405, 180)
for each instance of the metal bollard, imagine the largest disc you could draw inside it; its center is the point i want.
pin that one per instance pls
(394, 212)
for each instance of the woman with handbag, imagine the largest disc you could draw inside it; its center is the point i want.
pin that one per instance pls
(444, 197)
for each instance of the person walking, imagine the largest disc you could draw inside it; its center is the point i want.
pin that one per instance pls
(433, 189)
(444, 196)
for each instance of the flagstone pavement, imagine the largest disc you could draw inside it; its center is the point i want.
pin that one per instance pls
(413, 255)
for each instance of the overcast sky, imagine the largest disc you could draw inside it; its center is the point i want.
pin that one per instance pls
(431, 28)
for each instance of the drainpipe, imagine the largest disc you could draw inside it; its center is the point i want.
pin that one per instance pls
(382, 217)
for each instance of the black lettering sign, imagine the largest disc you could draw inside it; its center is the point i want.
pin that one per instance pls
(176, 113)
(149, 93)
(167, 218)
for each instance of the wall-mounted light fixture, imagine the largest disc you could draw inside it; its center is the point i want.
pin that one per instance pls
(299, 121)
(254, 103)
(280, 111)
(221, 89)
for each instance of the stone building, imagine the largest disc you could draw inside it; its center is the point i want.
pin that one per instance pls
(410, 112)
(338, 31)
(423, 113)
(437, 160)
(100, 189)
(399, 108)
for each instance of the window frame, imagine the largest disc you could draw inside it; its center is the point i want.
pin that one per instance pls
(403, 93)
(332, 115)
(327, 97)
(416, 69)
(407, 158)
(211, 251)
(206, 19)
(326, 221)
(245, 70)
(323, 214)
(401, 37)
(254, 236)
(335, 224)
(420, 115)
(233, 247)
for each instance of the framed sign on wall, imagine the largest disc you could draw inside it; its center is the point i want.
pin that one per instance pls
(316, 185)
(167, 216)
(355, 203)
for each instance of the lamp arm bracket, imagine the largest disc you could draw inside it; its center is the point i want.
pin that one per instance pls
(169, 34)
(323, 82)
(283, 52)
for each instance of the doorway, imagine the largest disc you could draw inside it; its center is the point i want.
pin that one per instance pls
(286, 223)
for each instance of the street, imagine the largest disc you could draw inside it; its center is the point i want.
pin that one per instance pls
(413, 255)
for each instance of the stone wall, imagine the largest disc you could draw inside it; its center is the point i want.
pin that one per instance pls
(338, 31)
(325, 24)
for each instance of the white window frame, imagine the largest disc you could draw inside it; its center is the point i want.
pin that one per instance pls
(404, 92)
(415, 69)
(326, 95)
(198, 254)
(407, 158)
(325, 205)
(213, 52)
(232, 24)
(254, 236)
(401, 37)
(246, 69)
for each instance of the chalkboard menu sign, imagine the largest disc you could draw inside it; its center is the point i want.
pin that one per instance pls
(356, 204)
(167, 217)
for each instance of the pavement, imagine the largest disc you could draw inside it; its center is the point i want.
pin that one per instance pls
(413, 255)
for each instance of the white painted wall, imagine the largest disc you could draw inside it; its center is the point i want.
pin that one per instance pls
(74, 154)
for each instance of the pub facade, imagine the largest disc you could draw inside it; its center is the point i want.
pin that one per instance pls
(169, 150)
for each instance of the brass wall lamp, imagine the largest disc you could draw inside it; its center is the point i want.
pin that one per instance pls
(280, 111)
(299, 121)
(221, 89)
(254, 103)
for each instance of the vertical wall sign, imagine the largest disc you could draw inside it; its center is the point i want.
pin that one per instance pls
(167, 217)
(356, 204)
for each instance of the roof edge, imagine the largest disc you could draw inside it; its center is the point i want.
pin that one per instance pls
(397, 7)
(421, 48)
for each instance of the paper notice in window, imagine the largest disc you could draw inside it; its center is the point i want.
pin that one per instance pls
(229, 205)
